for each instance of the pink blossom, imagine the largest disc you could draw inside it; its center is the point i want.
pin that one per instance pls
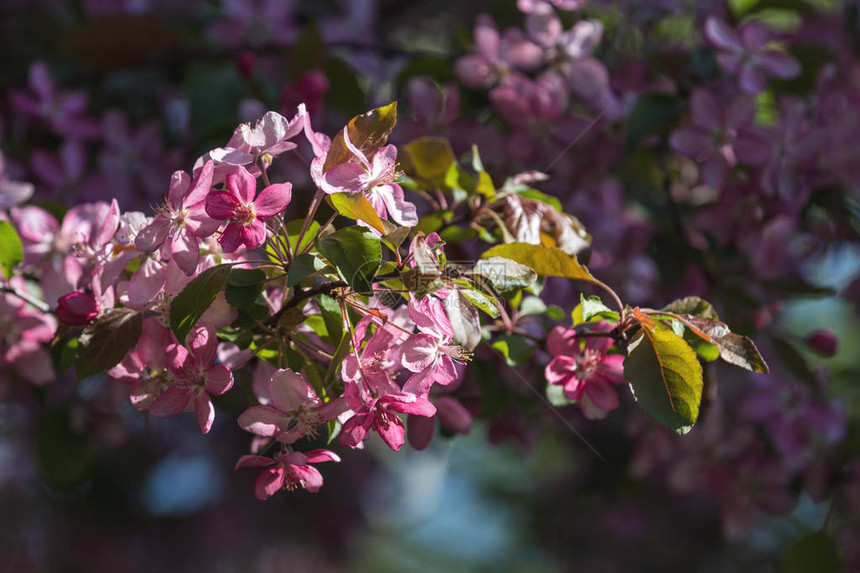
(255, 23)
(65, 112)
(376, 411)
(196, 377)
(377, 361)
(288, 472)
(309, 90)
(584, 369)
(244, 214)
(530, 6)
(721, 138)
(376, 179)
(749, 52)
(133, 163)
(23, 330)
(430, 355)
(144, 369)
(182, 219)
(63, 171)
(77, 308)
(495, 55)
(269, 138)
(295, 412)
(12, 192)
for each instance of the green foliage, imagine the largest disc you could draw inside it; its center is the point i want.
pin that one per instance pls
(356, 254)
(244, 286)
(428, 158)
(190, 304)
(666, 377)
(368, 132)
(356, 206)
(106, 340)
(504, 274)
(302, 267)
(11, 249)
(592, 307)
(515, 349)
(545, 261)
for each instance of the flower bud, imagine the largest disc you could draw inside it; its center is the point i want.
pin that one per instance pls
(823, 341)
(77, 308)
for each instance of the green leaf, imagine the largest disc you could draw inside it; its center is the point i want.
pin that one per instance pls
(740, 351)
(11, 249)
(666, 378)
(546, 261)
(692, 305)
(515, 349)
(816, 553)
(356, 254)
(481, 301)
(244, 286)
(428, 158)
(593, 307)
(106, 340)
(302, 267)
(356, 206)
(396, 237)
(330, 310)
(734, 348)
(293, 230)
(333, 372)
(555, 396)
(458, 179)
(368, 132)
(543, 198)
(190, 304)
(505, 274)
(64, 353)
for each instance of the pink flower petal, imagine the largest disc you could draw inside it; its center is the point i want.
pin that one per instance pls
(185, 250)
(205, 412)
(221, 204)
(219, 379)
(407, 403)
(172, 402)
(263, 421)
(392, 432)
(273, 199)
(254, 235)
(345, 178)
(289, 390)
(252, 461)
(201, 186)
(232, 237)
(146, 282)
(601, 393)
(399, 210)
(151, 237)
(560, 370)
(242, 185)
(269, 482)
(318, 456)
